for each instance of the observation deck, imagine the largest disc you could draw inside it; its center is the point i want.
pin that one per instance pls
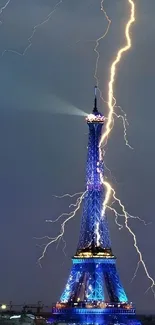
(95, 118)
(94, 252)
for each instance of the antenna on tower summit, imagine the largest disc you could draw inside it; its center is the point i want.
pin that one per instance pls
(95, 110)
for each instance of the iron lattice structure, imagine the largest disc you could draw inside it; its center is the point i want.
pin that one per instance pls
(93, 286)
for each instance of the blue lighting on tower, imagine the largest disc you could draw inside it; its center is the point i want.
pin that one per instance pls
(93, 286)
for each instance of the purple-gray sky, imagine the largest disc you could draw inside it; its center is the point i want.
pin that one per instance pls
(43, 153)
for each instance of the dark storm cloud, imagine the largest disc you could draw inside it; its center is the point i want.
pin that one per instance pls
(43, 153)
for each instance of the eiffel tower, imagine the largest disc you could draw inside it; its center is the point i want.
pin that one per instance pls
(94, 293)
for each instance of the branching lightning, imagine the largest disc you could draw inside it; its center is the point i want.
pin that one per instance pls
(35, 28)
(119, 116)
(67, 195)
(97, 44)
(3, 8)
(107, 131)
(129, 216)
(110, 192)
(113, 70)
(97, 233)
(70, 216)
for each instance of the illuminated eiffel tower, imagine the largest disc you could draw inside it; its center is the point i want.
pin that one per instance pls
(94, 293)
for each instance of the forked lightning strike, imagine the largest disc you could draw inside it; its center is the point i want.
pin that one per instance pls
(67, 195)
(113, 69)
(69, 213)
(60, 236)
(127, 216)
(97, 44)
(97, 234)
(124, 122)
(122, 117)
(3, 8)
(34, 30)
(108, 128)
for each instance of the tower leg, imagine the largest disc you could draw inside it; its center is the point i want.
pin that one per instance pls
(114, 287)
(72, 284)
(85, 284)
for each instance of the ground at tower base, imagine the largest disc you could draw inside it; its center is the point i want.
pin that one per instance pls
(40, 314)
(98, 320)
(140, 319)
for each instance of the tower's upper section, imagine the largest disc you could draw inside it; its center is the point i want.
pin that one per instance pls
(95, 121)
(94, 235)
(95, 116)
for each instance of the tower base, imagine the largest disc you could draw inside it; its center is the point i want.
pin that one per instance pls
(83, 300)
(89, 278)
(80, 317)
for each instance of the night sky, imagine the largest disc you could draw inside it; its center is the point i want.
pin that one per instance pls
(44, 153)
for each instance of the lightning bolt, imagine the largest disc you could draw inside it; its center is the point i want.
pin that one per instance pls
(3, 8)
(97, 234)
(129, 216)
(67, 195)
(110, 191)
(108, 128)
(70, 216)
(97, 44)
(35, 28)
(113, 69)
(119, 116)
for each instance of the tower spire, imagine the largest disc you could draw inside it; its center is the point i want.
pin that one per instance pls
(95, 110)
